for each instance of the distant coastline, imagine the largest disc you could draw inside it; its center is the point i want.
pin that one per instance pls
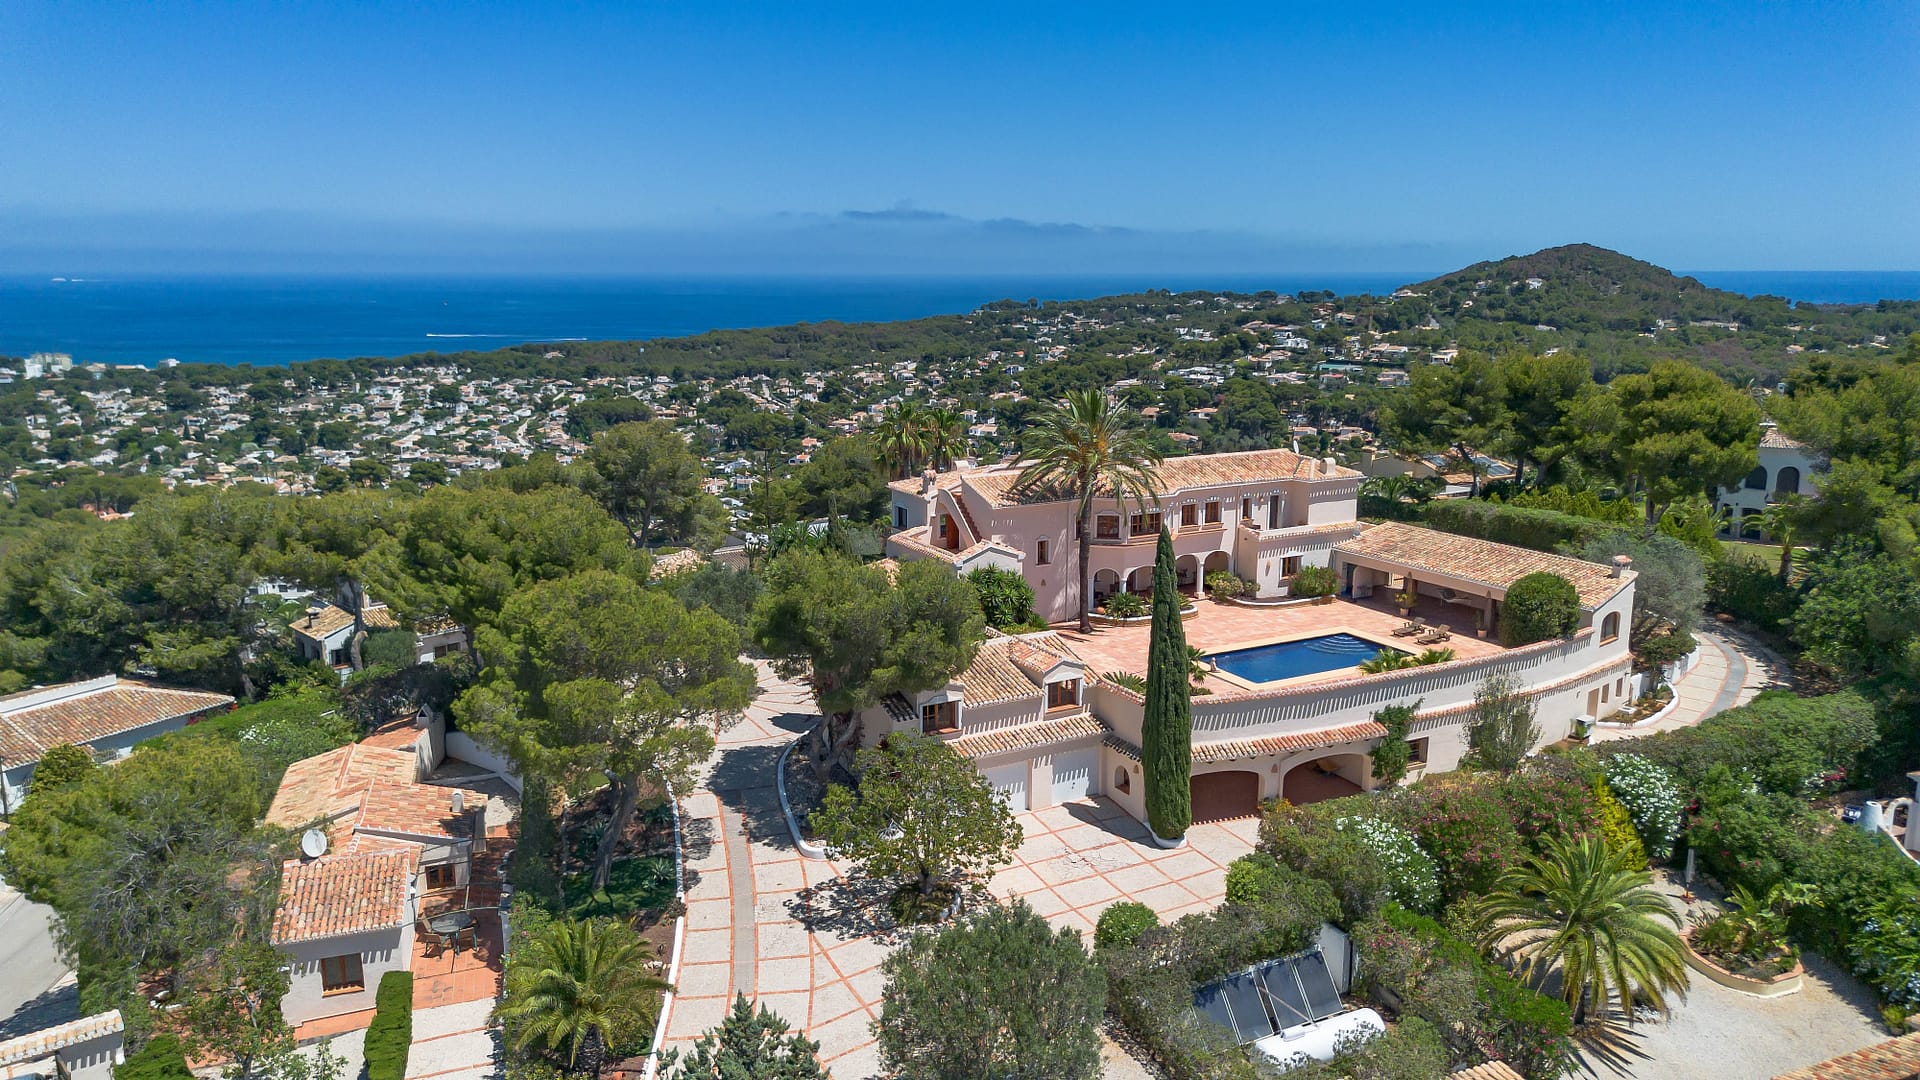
(270, 320)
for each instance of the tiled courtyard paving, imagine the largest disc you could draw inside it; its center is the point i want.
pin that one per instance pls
(798, 935)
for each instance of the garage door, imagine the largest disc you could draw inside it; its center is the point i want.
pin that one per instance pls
(1073, 774)
(1010, 783)
(1218, 796)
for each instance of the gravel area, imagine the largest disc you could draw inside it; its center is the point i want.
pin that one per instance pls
(1717, 1033)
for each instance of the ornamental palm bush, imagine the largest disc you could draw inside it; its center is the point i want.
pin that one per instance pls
(1652, 798)
(1588, 912)
(1886, 949)
(579, 991)
(1386, 660)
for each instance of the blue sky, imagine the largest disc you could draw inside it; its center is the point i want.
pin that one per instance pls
(982, 136)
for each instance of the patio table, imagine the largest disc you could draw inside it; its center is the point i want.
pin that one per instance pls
(451, 925)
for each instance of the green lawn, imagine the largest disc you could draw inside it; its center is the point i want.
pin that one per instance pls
(1767, 555)
(633, 885)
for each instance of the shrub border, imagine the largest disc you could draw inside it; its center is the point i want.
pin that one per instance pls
(1789, 982)
(392, 1019)
(652, 1069)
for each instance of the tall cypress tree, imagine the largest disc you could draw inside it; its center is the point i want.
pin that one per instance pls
(1166, 738)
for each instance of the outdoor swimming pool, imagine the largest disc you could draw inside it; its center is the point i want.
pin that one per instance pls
(1291, 659)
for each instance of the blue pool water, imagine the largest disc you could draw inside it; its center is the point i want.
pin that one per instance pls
(1290, 659)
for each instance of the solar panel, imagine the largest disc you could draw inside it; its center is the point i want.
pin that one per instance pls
(1212, 1004)
(1250, 1016)
(1322, 998)
(1283, 990)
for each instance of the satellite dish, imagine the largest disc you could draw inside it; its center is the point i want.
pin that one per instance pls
(313, 843)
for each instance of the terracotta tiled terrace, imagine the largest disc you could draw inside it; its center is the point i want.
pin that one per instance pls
(1219, 627)
(446, 973)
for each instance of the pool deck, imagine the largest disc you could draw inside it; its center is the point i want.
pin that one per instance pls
(1223, 627)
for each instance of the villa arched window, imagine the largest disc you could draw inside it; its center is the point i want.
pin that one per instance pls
(1787, 481)
(1122, 783)
(1610, 628)
(1757, 479)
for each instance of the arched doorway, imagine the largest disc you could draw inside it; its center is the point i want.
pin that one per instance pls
(1222, 796)
(1331, 776)
(1217, 562)
(1186, 574)
(1140, 580)
(1105, 584)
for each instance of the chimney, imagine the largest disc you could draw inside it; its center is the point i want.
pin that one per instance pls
(1621, 563)
(459, 801)
(928, 479)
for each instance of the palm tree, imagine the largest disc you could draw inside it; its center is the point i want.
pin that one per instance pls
(1585, 909)
(1388, 489)
(581, 988)
(901, 438)
(942, 432)
(1387, 660)
(1197, 665)
(1085, 449)
(1781, 520)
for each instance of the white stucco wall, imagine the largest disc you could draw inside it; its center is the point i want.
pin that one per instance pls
(380, 952)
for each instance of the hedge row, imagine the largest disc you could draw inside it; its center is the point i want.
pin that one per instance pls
(1521, 526)
(392, 1029)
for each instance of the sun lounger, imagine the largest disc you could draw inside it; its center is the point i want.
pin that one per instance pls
(1410, 628)
(1433, 637)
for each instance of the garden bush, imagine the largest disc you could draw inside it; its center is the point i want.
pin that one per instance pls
(1125, 606)
(161, 1059)
(1550, 798)
(1752, 593)
(1885, 949)
(1305, 839)
(1652, 799)
(1123, 923)
(1787, 744)
(1480, 1010)
(1005, 597)
(1539, 606)
(1314, 581)
(1462, 822)
(1616, 826)
(1411, 876)
(391, 1032)
(1225, 585)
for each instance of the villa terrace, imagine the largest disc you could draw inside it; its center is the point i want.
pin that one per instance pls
(1218, 627)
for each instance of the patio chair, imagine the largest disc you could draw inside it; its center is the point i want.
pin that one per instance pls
(1409, 628)
(1434, 636)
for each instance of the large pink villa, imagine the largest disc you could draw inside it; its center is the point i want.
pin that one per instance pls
(1288, 713)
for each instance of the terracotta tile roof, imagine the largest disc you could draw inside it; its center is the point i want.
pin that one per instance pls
(418, 810)
(1028, 736)
(330, 784)
(1010, 667)
(1482, 562)
(346, 893)
(1209, 753)
(674, 562)
(1895, 1059)
(38, 1044)
(1492, 1070)
(378, 617)
(324, 623)
(1773, 440)
(33, 721)
(999, 487)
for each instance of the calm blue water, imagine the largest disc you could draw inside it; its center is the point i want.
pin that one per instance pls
(274, 320)
(1288, 659)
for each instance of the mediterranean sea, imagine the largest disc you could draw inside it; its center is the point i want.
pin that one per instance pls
(276, 320)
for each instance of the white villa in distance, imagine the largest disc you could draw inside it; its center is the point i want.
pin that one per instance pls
(1287, 712)
(1787, 467)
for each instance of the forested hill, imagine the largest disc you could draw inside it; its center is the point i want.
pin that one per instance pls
(1585, 275)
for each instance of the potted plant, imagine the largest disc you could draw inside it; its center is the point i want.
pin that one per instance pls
(1314, 581)
(1406, 599)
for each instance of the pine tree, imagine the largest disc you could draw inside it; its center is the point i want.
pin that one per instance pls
(749, 1044)
(1166, 738)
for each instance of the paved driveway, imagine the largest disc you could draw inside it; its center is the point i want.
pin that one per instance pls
(36, 989)
(806, 938)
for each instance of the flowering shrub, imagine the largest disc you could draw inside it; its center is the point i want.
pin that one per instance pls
(1460, 820)
(1886, 949)
(1547, 802)
(1652, 798)
(1412, 879)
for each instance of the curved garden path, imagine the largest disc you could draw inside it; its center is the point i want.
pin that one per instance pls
(1730, 672)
